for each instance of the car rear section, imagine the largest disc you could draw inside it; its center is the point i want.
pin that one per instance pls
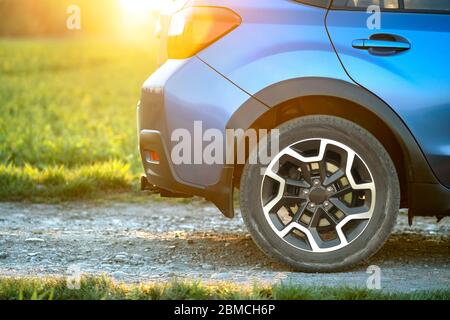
(354, 149)
(200, 82)
(182, 91)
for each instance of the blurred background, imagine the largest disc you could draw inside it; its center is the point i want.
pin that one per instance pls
(68, 96)
(100, 18)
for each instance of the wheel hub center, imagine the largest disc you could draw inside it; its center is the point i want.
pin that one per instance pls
(318, 195)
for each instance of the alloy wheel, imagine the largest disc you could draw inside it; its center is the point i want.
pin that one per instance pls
(318, 195)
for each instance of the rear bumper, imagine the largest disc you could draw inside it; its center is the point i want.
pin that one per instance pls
(162, 175)
(159, 173)
(174, 97)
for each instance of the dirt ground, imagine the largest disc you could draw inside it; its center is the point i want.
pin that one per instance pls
(158, 241)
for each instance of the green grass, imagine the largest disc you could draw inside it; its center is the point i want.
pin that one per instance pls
(61, 183)
(68, 120)
(103, 288)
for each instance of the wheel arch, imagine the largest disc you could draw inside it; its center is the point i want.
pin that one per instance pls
(313, 96)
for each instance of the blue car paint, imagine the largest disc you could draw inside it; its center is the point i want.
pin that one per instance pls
(284, 40)
(415, 83)
(191, 93)
(277, 41)
(280, 40)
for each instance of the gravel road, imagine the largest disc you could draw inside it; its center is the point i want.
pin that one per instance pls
(158, 241)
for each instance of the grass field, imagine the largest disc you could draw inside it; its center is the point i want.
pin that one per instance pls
(68, 120)
(103, 288)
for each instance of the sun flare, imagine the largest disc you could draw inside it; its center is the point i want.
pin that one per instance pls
(137, 14)
(143, 6)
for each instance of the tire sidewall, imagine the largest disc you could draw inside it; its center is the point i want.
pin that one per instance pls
(386, 203)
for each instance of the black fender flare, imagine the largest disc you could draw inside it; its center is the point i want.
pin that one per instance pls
(276, 94)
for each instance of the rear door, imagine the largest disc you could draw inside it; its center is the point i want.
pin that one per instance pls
(400, 51)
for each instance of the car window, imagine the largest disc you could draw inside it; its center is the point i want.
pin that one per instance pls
(427, 5)
(386, 4)
(316, 3)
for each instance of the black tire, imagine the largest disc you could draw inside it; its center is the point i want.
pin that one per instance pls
(377, 230)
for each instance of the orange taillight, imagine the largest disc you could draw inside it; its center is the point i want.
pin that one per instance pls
(154, 156)
(193, 29)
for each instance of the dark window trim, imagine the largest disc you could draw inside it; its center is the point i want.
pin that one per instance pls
(401, 9)
(313, 3)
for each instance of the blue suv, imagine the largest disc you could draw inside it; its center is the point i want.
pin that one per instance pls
(358, 92)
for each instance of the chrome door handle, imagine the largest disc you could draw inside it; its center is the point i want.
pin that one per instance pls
(381, 44)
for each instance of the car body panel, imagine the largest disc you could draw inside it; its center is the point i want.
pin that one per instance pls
(286, 40)
(281, 51)
(415, 83)
(182, 86)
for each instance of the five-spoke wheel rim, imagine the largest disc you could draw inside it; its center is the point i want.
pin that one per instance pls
(318, 195)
